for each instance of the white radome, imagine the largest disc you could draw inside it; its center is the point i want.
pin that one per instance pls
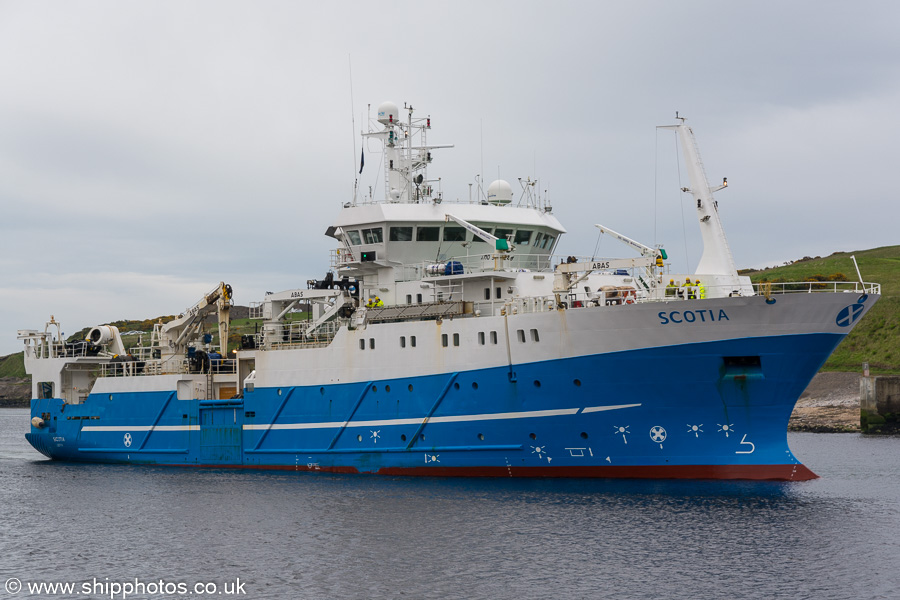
(386, 111)
(499, 192)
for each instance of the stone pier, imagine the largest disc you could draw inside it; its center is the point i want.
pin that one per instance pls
(879, 404)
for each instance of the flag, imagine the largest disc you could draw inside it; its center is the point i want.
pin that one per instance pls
(362, 160)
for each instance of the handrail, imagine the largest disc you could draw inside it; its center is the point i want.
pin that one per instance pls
(807, 287)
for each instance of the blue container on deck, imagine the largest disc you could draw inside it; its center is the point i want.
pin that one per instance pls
(453, 267)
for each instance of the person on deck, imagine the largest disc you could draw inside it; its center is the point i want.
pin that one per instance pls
(671, 289)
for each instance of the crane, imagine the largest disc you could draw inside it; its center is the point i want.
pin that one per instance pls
(177, 332)
(500, 244)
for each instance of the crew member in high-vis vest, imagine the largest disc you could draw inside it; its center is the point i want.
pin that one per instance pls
(671, 289)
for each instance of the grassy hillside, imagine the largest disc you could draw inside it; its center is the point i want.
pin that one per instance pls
(875, 339)
(13, 365)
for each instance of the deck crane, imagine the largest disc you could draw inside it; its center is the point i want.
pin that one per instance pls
(500, 244)
(568, 275)
(658, 254)
(175, 334)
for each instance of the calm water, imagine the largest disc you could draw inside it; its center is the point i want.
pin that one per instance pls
(322, 536)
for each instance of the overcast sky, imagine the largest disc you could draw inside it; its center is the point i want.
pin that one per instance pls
(149, 150)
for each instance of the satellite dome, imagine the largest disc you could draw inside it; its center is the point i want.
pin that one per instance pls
(388, 113)
(499, 192)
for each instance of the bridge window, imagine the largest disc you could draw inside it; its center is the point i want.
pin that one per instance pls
(548, 242)
(428, 234)
(502, 233)
(523, 236)
(537, 240)
(373, 235)
(454, 234)
(401, 234)
(355, 240)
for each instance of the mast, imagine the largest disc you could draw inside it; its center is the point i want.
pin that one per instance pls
(407, 155)
(716, 258)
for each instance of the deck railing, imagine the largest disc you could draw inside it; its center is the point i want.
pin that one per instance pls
(808, 287)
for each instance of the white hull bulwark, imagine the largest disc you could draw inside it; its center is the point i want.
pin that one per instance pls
(447, 340)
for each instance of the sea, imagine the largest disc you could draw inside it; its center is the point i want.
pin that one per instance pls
(111, 531)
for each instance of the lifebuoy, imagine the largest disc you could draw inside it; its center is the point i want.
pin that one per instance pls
(629, 299)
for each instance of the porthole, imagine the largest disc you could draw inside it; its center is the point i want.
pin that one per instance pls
(359, 438)
(532, 436)
(322, 391)
(387, 388)
(409, 387)
(402, 437)
(422, 436)
(474, 385)
(456, 386)
(374, 388)
(537, 383)
(110, 397)
(279, 391)
(584, 435)
(577, 383)
(481, 436)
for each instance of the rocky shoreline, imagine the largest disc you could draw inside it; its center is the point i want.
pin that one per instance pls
(830, 404)
(15, 392)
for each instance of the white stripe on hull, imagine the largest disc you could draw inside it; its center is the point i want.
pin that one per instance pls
(377, 423)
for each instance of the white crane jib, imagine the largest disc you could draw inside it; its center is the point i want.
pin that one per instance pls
(717, 258)
(500, 244)
(646, 251)
(176, 332)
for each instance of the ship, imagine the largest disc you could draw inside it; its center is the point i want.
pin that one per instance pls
(447, 338)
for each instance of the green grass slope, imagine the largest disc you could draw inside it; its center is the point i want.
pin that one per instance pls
(13, 365)
(875, 339)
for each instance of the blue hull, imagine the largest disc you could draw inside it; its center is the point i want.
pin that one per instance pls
(676, 411)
